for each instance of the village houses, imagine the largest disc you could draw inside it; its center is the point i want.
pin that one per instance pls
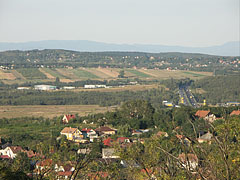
(206, 115)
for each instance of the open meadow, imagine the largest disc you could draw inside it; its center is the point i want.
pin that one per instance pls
(50, 111)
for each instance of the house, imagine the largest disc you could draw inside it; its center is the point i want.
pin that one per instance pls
(45, 165)
(44, 87)
(11, 151)
(123, 140)
(66, 118)
(136, 132)
(109, 153)
(161, 134)
(64, 174)
(235, 112)
(205, 138)
(108, 142)
(71, 133)
(202, 113)
(206, 115)
(189, 161)
(105, 130)
(89, 133)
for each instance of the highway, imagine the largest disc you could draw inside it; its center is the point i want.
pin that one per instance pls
(188, 98)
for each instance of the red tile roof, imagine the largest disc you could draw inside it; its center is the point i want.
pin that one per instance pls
(108, 142)
(70, 116)
(5, 157)
(86, 130)
(66, 173)
(202, 113)
(46, 162)
(235, 112)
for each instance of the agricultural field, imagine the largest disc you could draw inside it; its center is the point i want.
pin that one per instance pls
(6, 75)
(70, 75)
(31, 73)
(50, 111)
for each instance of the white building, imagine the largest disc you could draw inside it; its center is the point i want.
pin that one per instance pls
(45, 87)
(90, 86)
(68, 87)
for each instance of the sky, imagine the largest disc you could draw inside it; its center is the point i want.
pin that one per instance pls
(165, 22)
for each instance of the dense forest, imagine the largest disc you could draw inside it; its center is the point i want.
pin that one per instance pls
(33, 97)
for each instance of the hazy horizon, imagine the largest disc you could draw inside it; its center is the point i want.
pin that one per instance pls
(198, 23)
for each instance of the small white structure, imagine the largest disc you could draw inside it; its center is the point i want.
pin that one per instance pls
(23, 88)
(11, 151)
(68, 87)
(101, 86)
(45, 87)
(90, 86)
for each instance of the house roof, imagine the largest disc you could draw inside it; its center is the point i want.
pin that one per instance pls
(16, 149)
(46, 162)
(86, 130)
(69, 130)
(202, 113)
(108, 142)
(69, 116)
(207, 136)
(235, 112)
(5, 157)
(103, 129)
(67, 167)
(66, 173)
(161, 133)
(190, 157)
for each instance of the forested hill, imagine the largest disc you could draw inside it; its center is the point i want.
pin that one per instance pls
(62, 58)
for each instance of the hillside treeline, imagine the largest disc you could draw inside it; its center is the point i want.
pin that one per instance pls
(63, 58)
(219, 89)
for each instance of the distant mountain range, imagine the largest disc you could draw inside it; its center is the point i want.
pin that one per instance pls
(227, 49)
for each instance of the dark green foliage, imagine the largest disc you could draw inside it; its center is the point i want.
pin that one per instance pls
(31, 97)
(219, 89)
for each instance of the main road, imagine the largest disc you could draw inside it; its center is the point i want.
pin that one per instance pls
(187, 96)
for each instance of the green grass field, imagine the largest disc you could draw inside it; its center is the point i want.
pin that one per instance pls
(194, 74)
